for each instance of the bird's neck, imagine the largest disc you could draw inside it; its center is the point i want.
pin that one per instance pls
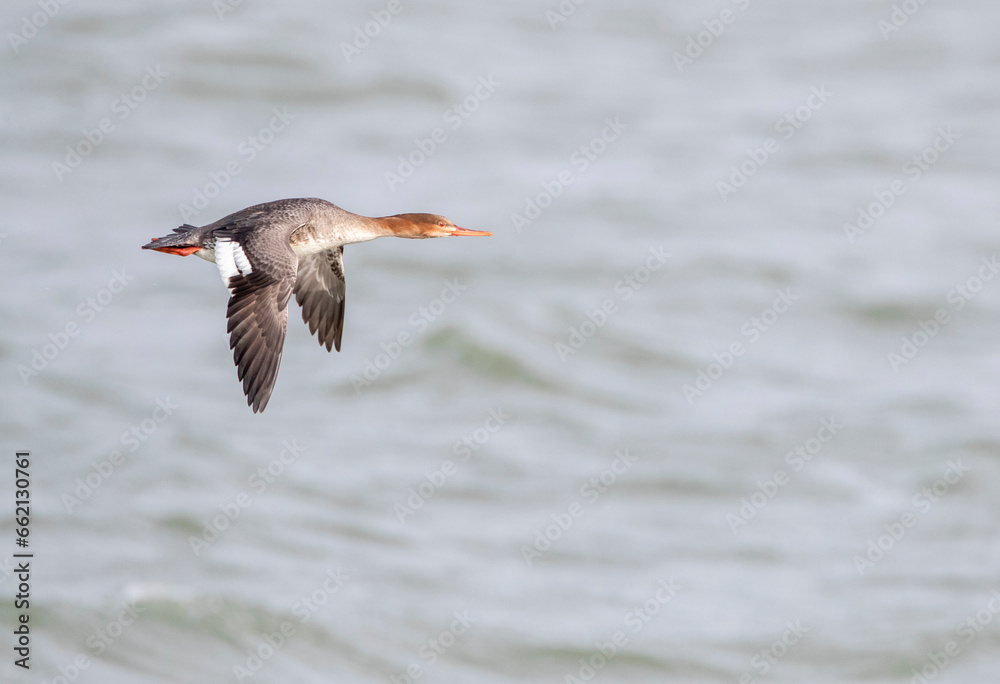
(346, 229)
(397, 225)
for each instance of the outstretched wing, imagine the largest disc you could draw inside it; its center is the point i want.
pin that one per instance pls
(320, 291)
(259, 267)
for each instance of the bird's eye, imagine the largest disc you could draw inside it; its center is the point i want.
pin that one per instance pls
(441, 223)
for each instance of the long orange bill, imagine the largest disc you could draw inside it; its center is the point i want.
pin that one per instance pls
(463, 231)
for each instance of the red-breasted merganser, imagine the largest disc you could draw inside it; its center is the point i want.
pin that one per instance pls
(266, 252)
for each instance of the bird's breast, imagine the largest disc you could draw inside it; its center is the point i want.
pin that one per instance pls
(304, 240)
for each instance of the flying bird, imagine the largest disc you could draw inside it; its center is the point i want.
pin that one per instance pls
(268, 251)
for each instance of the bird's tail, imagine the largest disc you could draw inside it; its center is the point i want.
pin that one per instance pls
(183, 241)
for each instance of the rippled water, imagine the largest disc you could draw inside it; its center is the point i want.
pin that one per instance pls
(716, 403)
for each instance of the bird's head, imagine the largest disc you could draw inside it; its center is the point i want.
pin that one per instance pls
(426, 226)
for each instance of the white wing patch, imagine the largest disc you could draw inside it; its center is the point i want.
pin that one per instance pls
(240, 257)
(231, 259)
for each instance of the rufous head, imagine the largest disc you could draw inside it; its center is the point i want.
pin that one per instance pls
(426, 226)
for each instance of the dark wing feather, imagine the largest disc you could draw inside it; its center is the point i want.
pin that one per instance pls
(320, 291)
(258, 305)
(258, 317)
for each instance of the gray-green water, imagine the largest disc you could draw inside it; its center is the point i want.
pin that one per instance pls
(667, 423)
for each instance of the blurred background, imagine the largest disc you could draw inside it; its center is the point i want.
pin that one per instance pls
(717, 402)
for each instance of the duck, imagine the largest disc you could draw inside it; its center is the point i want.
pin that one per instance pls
(269, 251)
